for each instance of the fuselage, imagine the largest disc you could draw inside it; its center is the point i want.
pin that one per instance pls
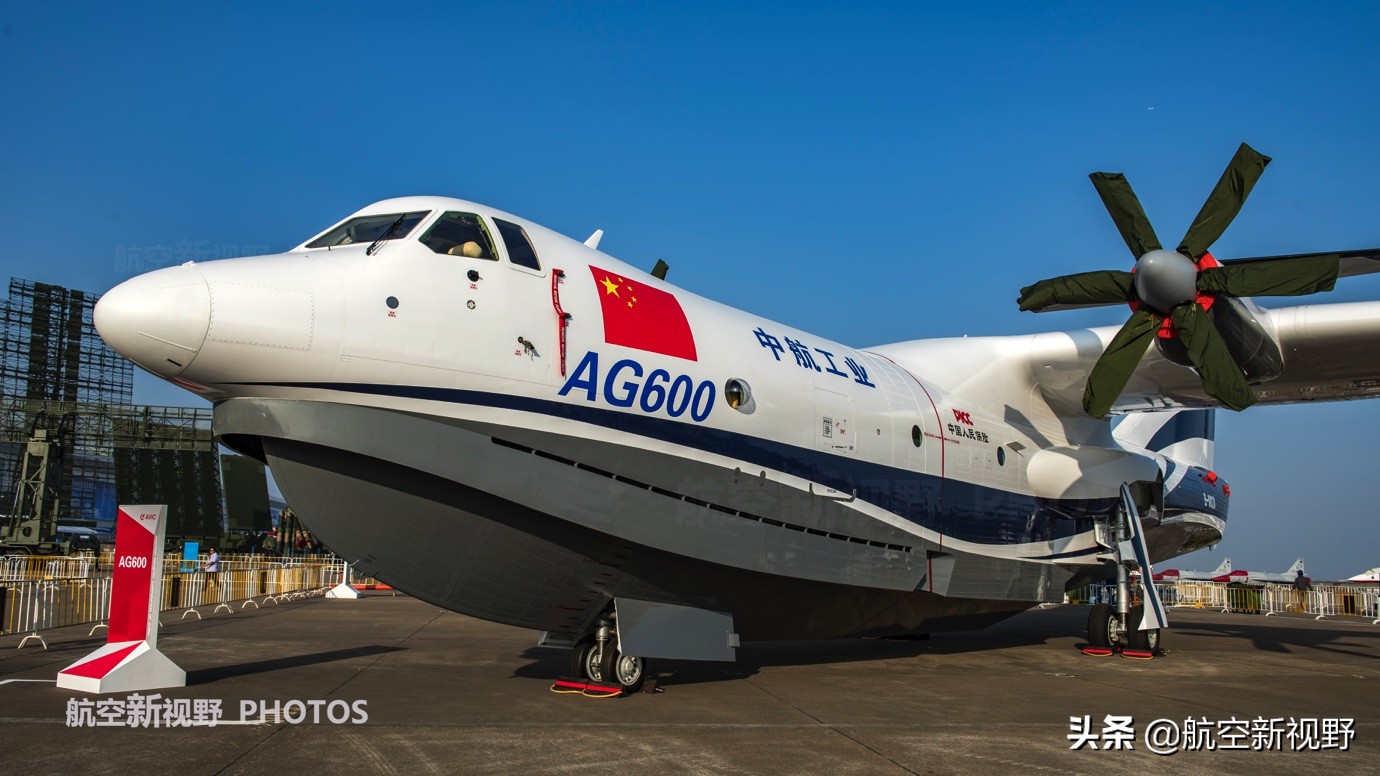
(510, 423)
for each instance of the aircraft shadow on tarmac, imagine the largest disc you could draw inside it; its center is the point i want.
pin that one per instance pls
(1280, 637)
(754, 656)
(206, 675)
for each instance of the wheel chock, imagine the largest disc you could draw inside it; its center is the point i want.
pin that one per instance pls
(1137, 654)
(1097, 651)
(570, 686)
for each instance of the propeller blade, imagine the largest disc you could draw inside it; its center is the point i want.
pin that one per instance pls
(1114, 368)
(1126, 212)
(1225, 201)
(1222, 378)
(1085, 288)
(659, 271)
(1280, 277)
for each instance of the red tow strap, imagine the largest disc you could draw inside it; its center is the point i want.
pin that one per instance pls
(582, 687)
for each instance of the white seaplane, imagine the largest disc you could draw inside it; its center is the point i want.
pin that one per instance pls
(509, 423)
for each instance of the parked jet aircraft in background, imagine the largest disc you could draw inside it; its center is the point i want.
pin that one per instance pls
(1369, 575)
(1218, 574)
(1226, 574)
(1261, 577)
(509, 423)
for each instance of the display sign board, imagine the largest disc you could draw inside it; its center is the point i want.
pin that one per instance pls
(130, 659)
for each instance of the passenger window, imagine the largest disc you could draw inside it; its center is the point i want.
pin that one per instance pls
(460, 234)
(520, 250)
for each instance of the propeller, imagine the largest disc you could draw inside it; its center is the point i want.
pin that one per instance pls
(1170, 292)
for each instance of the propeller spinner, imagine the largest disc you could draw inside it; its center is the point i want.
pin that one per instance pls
(1171, 291)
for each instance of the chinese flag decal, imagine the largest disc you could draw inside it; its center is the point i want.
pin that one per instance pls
(639, 316)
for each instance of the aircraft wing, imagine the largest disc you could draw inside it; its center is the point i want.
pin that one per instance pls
(1329, 351)
(1349, 263)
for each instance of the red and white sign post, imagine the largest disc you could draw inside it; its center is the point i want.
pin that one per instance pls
(130, 660)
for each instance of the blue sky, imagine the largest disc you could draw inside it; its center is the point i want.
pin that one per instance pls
(872, 173)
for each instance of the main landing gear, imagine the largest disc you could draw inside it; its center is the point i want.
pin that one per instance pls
(1108, 625)
(596, 659)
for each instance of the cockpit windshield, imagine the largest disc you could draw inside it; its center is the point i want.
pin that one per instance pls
(460, 234)
(366, 229)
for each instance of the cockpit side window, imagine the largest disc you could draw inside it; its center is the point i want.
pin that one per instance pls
(520, 250)
(366, 229)
(460, 234)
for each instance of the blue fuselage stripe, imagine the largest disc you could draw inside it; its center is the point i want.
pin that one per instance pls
(961, 510)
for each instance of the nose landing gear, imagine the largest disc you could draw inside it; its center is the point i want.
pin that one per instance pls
(1106, 631)
(1104, 628)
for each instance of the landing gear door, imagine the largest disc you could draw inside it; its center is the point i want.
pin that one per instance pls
(648, 629)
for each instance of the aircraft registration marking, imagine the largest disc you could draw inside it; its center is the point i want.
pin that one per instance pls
(677, 395)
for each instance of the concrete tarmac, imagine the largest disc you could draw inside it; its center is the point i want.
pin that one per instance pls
(446, 693)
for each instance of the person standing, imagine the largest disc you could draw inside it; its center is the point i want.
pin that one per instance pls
(1302, 587)
(212, 568)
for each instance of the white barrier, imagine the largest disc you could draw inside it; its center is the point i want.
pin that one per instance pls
(1370, 605)
(36, 605)
(33, 604)
(1321, 602)
(68, 568)
(1200, 595)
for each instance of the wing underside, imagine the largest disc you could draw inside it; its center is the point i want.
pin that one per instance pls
(1330, 354)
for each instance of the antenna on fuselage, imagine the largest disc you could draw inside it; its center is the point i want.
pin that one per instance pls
(593, 240)
(659, 271)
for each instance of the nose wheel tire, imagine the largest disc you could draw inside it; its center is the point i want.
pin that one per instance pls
(1104, 630)
(1143, 640)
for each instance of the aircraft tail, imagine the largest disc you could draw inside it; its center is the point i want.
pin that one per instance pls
(1186, 436)
(1223, 568)
(1296, 569)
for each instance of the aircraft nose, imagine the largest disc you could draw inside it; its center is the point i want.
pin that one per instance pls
(158, 320)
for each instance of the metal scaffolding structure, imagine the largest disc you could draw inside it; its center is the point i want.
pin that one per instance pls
(61, 382)
(108, 426)
(124, 453)
(52, 359)
(50, 351)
